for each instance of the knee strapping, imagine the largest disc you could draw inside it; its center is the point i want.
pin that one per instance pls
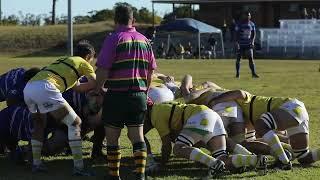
(301, 153)
(219, 152)
(269, 120)
(73, 131)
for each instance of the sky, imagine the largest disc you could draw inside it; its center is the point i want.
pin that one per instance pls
(79, 7)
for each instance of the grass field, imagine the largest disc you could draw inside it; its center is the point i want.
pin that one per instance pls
(299, 79)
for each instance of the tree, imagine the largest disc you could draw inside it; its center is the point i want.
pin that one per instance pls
(105, 14)
(53, 13)
(182, 11)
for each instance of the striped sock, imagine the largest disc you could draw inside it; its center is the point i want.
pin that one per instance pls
(36, 151)
(273, 141)
(238, 149)
(199, 156)
(140, 157)
(113, 158)
(239, 160)
(76, 149)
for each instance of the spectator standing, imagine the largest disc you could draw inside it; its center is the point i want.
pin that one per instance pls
(161, 52)
(304, 14)
(313, 14)
(224, 30)
(125, 66)
(245, 36)
(172, 52)
(212, 46)
(189, 49)
(180, 51)
(151, 34)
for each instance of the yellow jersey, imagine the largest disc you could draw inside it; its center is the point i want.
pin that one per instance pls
(254, 106)
(168, 116)
(65, 72)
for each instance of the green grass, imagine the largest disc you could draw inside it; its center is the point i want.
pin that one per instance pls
(278, 78)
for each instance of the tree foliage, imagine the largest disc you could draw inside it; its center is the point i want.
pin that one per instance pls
(142, 15)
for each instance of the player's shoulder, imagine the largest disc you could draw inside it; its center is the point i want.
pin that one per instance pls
(17, 70)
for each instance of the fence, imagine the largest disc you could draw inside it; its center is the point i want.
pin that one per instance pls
(294, 38)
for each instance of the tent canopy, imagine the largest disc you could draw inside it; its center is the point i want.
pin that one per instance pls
(192, 26)
(188, 25)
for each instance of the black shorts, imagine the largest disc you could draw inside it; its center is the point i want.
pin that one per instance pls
(245, 51)
(124, 108)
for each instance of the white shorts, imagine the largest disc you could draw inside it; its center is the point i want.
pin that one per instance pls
(42, 96)
(231, 110)
(297, 110)
(205, 125)
(160, 94)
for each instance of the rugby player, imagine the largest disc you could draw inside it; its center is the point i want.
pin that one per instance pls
(187, 125)
(245, 37)
(12, 84)
(267, 114)
(43, 94)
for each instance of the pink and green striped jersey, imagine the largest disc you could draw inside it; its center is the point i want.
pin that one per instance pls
(128, 56)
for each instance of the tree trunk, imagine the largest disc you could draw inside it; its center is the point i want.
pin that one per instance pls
(53, 16)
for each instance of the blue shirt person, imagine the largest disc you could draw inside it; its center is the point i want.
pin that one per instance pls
(245, 36)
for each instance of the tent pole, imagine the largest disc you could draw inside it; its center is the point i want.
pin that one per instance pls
(222, 45)
(199, 43)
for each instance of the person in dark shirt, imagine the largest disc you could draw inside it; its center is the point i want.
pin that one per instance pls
(245, 36)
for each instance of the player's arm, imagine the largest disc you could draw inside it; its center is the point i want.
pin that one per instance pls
(186, 85)
(166, 149)
(211, 85)
(253, 35)
(195, 94)
(149, 79)
(228, 96)
(102, 75)
(87, 86)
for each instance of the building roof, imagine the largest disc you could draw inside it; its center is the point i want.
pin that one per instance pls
(217, 1)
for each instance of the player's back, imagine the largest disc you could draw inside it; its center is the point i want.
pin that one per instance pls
(9, 80)
(65, 72)
(254, 106)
